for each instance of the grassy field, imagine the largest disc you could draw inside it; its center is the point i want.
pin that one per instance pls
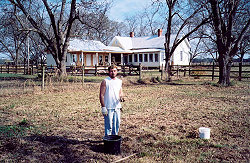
(160, 122)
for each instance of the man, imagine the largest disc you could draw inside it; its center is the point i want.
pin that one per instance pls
(110, 96)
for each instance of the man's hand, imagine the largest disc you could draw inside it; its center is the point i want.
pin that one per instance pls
(122, 99)
(104, 111)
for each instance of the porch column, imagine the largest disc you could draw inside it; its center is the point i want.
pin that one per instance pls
(97, 59)
(109, 59)
(121, 59)
(138, 58)
(82, 58)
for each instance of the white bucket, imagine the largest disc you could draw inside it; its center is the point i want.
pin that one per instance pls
(204, 133)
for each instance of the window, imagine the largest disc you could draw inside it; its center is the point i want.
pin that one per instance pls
(106, 58)
(74, 58)
(130, 58)
(156, 58)
(150, 57)
(140, 57)
(135, 57)
(145, 57)
(116, 42)
(125, 60)
(81, 58)
(100, 59)
(181, 56)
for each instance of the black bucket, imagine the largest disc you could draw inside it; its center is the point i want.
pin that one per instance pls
(112, 144)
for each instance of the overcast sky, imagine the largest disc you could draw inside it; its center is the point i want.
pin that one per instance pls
(122, 8)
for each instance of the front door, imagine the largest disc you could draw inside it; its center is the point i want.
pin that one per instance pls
(88, 60)
(125, 59)
(94, 60)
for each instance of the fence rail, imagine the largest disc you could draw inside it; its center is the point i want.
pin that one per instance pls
(238, 71)
(71, 70)
(212, 70)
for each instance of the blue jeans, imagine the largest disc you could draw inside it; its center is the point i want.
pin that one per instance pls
(112, 122)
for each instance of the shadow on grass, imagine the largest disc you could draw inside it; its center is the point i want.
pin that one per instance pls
(51, 149)
(96, 146)
(144, 82)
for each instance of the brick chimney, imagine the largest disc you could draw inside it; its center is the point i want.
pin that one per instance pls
(159, 32)
(132, 34)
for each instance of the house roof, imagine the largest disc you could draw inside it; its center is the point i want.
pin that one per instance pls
(116, 49)
(85, 45)
(126, 44)
(146, 42)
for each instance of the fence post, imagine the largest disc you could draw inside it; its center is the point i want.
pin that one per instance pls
(32, 70)
(130, 69)
(184, 72)
(124, 73)
(71, 69)
(189, 70)
(95, 69)
(24, 69)
(177, 71)
(213, 72)
(140, 71)
(82, 74)
(16, 69)
(1, 68)
(43, 74)
(240, 70)
(51, 69)
(162, 71)
(8, 69)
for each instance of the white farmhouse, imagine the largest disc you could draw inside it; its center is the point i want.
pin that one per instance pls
(147, 50)
(150, 51)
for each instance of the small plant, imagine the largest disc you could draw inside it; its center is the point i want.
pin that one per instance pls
(142, 81)
(15, 130)
(11, 106)
(154, 80)
(218, 145)
(143, 154)
(24, 122)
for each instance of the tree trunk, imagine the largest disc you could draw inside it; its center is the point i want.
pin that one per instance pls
(62, 65)
(168, 66)
(169, 71)
(225, 64)
(62, 68)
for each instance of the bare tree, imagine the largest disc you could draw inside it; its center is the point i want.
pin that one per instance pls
(56, 44)
(11, 39)
(188, 26)
(94, 22)
(225, 14)
(132, 23)
(54, 26)
(147, 22)
(244, 47)
(201, 44)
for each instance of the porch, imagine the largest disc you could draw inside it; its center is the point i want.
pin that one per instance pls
(79, 58)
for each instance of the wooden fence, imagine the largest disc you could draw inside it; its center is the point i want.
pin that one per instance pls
(238, 71)
(71, 70)
(210, 70)
(10, 69)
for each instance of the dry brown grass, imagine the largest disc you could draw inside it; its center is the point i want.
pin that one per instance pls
(160, 123)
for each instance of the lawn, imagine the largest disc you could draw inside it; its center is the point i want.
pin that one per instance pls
(160, 122)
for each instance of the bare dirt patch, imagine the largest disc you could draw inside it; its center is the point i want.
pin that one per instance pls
(160, 123)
